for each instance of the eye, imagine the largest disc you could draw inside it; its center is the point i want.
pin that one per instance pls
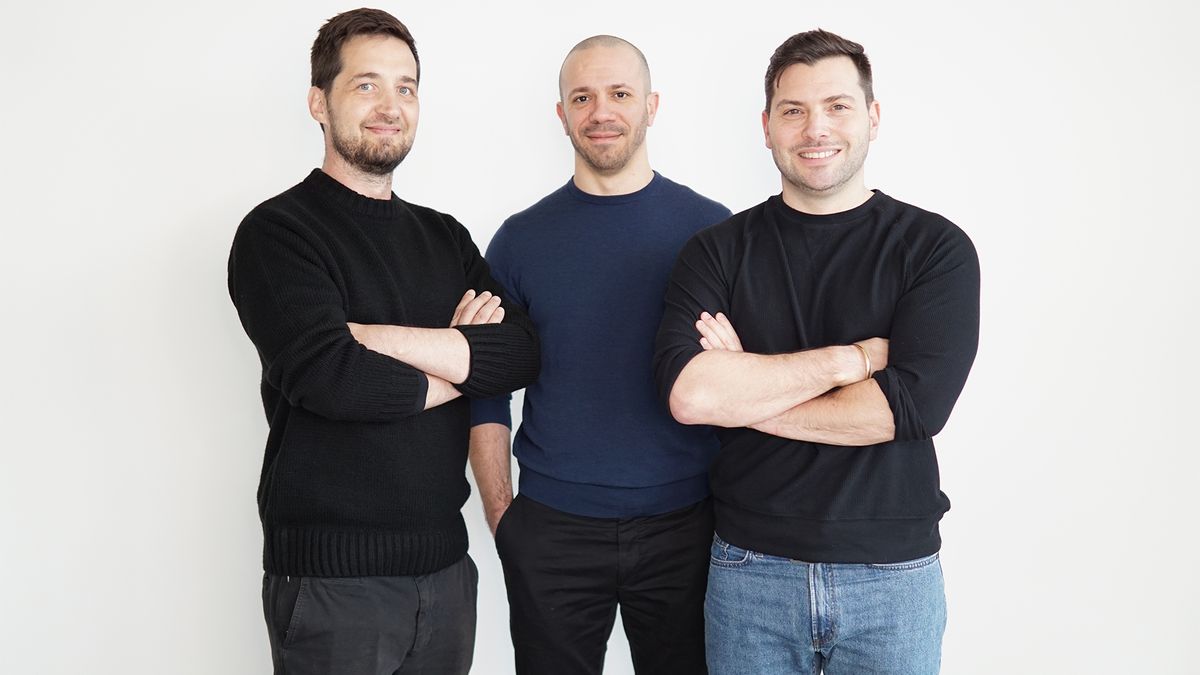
(840, 107)
(365, 86)
(621, 94)
(791, 112)
(406, 91)
(582, 98)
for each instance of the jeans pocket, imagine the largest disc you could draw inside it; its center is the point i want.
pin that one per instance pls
(724, 554)
(904, 565)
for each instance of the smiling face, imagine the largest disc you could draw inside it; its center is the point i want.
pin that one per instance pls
(370, 111)
(818, 127)
(606, 107)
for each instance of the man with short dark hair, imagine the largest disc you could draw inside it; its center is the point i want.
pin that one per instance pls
(372, 317)
(613, 509)
(857, 320)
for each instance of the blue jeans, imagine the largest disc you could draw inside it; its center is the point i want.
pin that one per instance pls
(769, 615)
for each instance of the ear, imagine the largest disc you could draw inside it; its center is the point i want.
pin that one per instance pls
(651, 108)
(562, 116)
(766, 118)
(873, 114)
(317, 105)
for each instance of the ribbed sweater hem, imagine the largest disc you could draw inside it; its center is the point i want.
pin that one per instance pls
(345, 552)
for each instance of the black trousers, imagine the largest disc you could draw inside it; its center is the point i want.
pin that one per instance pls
(566, 576)
(373, 625)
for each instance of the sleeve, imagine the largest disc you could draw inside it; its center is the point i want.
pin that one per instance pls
(697, 284)
(498, 409)
(504, 356)
(292, 309)
(934, 337)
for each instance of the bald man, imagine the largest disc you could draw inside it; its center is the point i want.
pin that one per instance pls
(613, 508)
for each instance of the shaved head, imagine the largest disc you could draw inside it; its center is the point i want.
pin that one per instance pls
(610, 42)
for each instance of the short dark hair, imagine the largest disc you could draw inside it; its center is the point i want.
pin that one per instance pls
(812, 46)
(327, 48)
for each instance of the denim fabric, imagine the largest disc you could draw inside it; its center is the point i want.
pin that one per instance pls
(769, 615)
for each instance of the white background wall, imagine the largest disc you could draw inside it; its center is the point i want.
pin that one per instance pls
(137, 135)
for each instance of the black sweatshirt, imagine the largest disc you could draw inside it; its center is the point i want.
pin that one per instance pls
(790, 281)
(357, 480)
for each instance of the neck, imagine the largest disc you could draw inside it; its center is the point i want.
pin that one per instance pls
(635, 175)
(844, 198)
(366, 184)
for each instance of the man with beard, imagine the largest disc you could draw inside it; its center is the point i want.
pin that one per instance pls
(372, 317)
(613, 507)
(857, 319)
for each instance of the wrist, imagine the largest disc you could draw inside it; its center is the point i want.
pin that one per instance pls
(850, 364)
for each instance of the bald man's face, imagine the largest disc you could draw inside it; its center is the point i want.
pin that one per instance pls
(606, 105)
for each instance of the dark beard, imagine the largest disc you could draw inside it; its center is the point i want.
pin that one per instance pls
(368, 158)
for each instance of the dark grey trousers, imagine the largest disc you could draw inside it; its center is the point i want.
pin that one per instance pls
(373, 625)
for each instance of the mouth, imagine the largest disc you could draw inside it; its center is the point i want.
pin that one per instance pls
(819, 154)
(385, 130)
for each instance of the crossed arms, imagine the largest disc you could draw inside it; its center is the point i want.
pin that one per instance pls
(821, 395)
(283, 284)
(824, 395)
(443, 354)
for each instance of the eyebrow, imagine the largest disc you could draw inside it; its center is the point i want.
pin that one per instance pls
(377, 76)
(827, 99)
(611, 87)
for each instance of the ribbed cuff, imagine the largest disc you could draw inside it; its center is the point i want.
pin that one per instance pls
(504, 358)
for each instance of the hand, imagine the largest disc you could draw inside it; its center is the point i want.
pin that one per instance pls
(477, 309)
(362, 333)
(493, 517)
(717, 333)
(877, 349)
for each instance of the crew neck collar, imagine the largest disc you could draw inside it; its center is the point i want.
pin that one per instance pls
(840, 218)
(330, 188)
(649, 189)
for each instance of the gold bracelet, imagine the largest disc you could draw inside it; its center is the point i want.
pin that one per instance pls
(867, 358)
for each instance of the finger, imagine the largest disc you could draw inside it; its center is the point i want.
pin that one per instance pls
(712, 336)
(472, 308)
(497, 316)
(457, 318)
(705, 343)
(734, 341)
(723, 335)
(485, 313)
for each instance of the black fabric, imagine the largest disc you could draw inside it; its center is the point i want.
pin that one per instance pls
(790, 281)
(373, 625)
(566, 575)
(357, 480)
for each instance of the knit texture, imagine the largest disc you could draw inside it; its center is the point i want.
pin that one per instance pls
(358, 480)
(594, 438)
(790, 281)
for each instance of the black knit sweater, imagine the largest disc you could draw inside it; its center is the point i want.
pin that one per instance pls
(790, 281)
(357, 479)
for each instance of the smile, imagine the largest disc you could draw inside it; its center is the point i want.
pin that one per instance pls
(819, 155)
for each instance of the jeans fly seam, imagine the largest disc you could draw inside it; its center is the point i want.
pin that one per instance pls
(813, 611)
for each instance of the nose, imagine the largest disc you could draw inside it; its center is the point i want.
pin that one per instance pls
(602, 110)
(388, 104)
(816, 127)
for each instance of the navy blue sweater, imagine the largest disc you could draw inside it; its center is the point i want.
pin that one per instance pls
(595, 440)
